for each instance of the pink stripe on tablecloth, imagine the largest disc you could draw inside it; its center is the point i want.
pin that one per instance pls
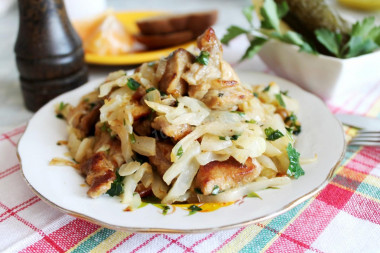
(145, 243)
(306, 228)
(9, 139)
(363, 208)
(177, 243)
(170, 243)
(39, 231)
(9, 171)
(26, 204)
(229, 239)
(122, 242)
(202, 240)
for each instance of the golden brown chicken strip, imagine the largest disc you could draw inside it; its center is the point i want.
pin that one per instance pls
(226, 175)
(99, 173)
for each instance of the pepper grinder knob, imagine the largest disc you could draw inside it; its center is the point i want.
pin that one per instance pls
(49, 53)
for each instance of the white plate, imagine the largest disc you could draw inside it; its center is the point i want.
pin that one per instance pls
(61, 186)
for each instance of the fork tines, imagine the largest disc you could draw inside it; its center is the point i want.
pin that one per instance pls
(366, 138)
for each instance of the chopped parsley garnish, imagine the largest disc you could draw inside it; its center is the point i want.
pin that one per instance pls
(62, 106)
(133, 84)
(222, 138)
(294, 169)
(239, 112)
(285, 93)
(252, 121)
(117, 186)
(193, 209)
(272, 134)
(253, 195)
(203, 58)
(220, 94)
(180, 152)
(215, 190)
(293, 126)
(256, 94)
(132, 138)
(266, 89)
(150, 89)
(198, 190)
(280, 100)
(124, 123)
(234, 137)
(163, 94)
(165, 209)
(59, 116)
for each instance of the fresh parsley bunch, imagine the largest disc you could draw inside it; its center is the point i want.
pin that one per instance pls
(364, 37)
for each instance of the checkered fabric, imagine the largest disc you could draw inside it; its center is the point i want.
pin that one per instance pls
(343, 217)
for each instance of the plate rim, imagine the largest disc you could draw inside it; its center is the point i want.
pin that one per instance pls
(271, 215)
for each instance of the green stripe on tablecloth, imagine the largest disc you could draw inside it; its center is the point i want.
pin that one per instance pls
(277, 224)
(370, 190)
(351, 150)
(94, 240)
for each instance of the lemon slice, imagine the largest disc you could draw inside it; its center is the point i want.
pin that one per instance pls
(362, 4)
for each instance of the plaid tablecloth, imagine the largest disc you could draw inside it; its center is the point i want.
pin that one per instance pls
(343, 217)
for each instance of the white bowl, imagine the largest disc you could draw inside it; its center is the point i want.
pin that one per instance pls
(323, 75)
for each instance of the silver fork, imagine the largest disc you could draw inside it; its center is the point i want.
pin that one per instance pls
(366, 138)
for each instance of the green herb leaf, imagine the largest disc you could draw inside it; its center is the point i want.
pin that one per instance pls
(272, 134)
(272, 187)
(104, 127)
(234, 137)
(124, 123)
(332, 41)
(255, 45)
(294, 38)
(165, 209)
(62, 106)
(282, 9)
(203, 58)
(239, 112)
(132, 138)
(252, 121)
(133, 84)
(253, 195)
(247, 11)
(193, 209)
(180, 152)
(59, 116)
(150, 89)
(256, 94)
(215, 190)
(198, 190)
(266, 89)
(359, 46)
(363, 28)
(232, 32)
(374, 35)
(294, 169)
(222, 138)
(117, 186)
(280, 100)
(270, 15)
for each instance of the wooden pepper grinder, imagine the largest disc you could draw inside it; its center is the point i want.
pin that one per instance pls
(49, 53)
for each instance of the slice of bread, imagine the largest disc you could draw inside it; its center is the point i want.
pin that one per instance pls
(197, 22)
(164, 40)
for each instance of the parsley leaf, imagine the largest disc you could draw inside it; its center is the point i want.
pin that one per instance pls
(359, 46)
(62, 106)
(193, 209)
(239, 112)
(232, 32)
(270, 15)
(132, 138)
(203, 58)
(180, 152)
(133, 84)
(282, 9)
(222, 138)
(247, 11)
(215, 190)
(280, 100)
(331, 41)
(294, 169)
(234, 137)
(272, 134)
(117, 186)
(255, 45)
(253, 195)
(266, 89)
(150, 89)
